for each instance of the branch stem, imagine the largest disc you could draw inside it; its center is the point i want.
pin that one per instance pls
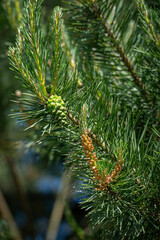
(58, 208)
(7, 215)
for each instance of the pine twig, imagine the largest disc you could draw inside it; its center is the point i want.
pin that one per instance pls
(57, 57)
(148, 22)
(7, 215)
(36, 49)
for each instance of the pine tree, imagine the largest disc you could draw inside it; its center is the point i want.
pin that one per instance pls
(92, 82)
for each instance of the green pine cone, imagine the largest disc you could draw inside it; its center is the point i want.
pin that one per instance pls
(56, 107)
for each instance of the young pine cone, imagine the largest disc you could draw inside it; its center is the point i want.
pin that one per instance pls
(56, 107)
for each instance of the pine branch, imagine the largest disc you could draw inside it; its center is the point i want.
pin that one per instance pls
(122, 53)
(100, 44)
(56, 28)
(102, 179)
(36, 46)
(147, 22)
(29, 58)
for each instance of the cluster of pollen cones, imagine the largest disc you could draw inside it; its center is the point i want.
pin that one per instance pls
(104, 180)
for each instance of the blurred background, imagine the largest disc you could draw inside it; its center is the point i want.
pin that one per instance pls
(31, 177)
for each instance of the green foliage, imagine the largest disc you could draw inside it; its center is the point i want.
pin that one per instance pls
(110, 35)
(110, 95)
